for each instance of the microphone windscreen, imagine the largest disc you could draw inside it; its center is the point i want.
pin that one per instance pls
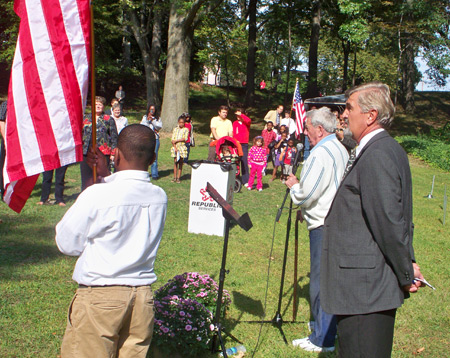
(299, 146)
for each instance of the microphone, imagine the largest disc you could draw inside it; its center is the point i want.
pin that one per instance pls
(297, 158)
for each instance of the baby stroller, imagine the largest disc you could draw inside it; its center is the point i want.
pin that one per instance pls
(234, 156)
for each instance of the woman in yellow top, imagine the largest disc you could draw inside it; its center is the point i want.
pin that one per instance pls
(179, 151)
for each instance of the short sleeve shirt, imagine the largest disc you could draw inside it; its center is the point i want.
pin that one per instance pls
(223, 127)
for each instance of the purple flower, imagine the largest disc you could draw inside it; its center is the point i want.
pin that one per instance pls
(199, 338)
(165, 329)
(182, 313)
(188, 327)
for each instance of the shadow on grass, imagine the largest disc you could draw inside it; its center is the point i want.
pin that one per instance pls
(23, 244)
(247, 304)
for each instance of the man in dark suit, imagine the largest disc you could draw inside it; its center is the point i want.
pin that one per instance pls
(368, 265)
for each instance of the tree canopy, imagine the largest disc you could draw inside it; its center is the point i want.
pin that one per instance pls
(341, 42)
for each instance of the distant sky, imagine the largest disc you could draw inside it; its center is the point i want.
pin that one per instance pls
(426, 84)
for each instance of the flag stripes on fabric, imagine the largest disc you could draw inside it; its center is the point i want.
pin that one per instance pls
(47, 92)
(299, 109)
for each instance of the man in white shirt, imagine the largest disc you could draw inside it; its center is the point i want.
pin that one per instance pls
(289, 123)
(319, 180)
(115, 228)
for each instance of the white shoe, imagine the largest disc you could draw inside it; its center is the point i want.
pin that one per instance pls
(246, 185)
(249, 188)
(259, 189)
(308, 346)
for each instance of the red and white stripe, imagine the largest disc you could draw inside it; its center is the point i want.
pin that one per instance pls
(299, 109)
(47, 92)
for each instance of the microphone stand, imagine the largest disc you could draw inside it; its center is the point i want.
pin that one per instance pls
(277, 320)
(245, 223)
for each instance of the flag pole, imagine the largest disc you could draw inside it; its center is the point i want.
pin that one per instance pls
(93, 111)
(293, 98)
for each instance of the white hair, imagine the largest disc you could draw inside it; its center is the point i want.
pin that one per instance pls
(324, 117)
(375, 95)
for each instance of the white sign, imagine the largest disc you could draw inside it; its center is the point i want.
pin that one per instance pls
(205, 215)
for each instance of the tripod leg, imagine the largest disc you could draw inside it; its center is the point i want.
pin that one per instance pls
(295, 302)
(231, 336)
(222, 345)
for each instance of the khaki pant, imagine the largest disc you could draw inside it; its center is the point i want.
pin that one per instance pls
(110, 321)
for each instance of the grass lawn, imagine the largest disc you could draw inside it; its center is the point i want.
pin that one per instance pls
(36, 286)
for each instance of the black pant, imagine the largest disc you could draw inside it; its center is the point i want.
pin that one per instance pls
(366, 335)
(47, 178)
(244, 163)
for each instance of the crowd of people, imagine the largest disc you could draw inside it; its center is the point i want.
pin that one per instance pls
(354, 192)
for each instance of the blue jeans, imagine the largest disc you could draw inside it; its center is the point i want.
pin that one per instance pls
(325, 326)
(188, 146)
(154, 167)
(307, 148)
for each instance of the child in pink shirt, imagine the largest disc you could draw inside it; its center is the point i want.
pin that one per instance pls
(257, 161)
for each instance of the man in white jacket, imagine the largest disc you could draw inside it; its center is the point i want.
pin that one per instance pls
(319, 180)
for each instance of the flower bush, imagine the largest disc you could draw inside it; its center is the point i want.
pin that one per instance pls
(184, 313)
(194, 286)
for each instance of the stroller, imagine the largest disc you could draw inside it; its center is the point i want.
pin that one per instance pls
(233, 156)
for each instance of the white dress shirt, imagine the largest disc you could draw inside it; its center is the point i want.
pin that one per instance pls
(365, 140)
(290, 124)
(115, 227)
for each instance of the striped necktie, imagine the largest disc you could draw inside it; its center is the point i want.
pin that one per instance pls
(350, 162)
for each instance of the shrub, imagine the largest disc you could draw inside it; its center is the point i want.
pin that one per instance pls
(182, 325)
(184, 309)
(194, 286)
(433, 151)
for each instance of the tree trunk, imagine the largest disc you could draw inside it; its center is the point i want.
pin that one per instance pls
(354, 68)
(409, 68)
(176, 85)
(313, 89)
(182, 21)
(346, 50)
(251, 54)
(126, 45)
(150, 54)
(155, 54)
(288, 68)
(410, 72)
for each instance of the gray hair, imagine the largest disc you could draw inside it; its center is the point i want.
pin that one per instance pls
(375, 95)
(324, 117)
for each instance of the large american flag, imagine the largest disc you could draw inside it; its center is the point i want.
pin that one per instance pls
(299, 109)
(47, 92)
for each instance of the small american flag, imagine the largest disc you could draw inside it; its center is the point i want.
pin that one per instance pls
(299, 109)
(47, 92)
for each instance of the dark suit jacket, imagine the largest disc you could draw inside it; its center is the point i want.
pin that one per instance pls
(367, 245)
